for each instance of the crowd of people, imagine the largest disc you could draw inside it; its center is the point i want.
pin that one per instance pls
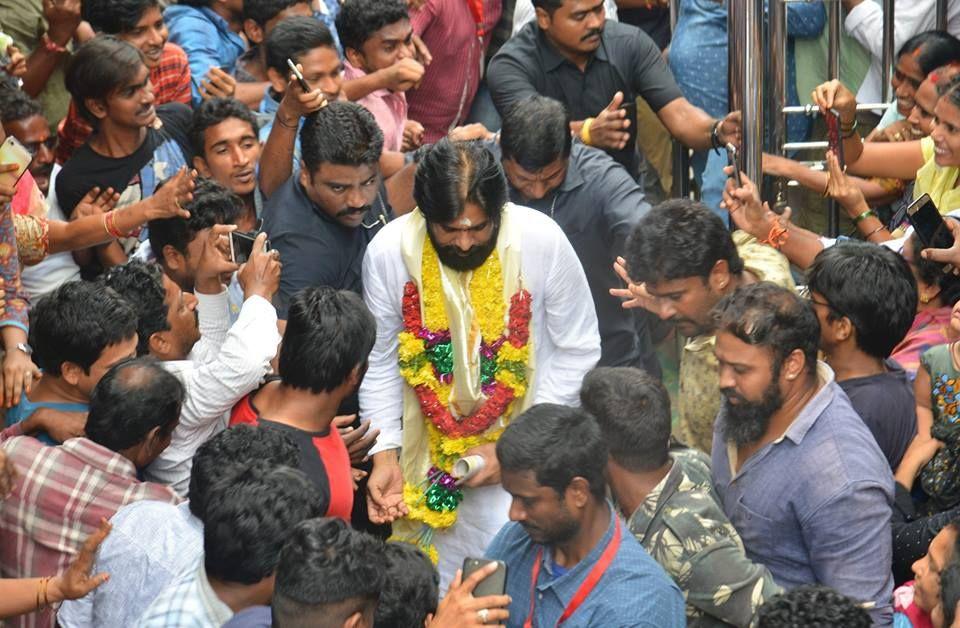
(354, 313)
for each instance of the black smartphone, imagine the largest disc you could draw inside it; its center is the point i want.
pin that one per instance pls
(733, 159)
(241, 246)
(494, 584)
(930, 226)
(834, 137)
(299, 76)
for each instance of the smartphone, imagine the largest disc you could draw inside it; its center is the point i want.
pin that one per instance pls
(299, 76)
(834, 137)
(733, 159)
(930, 226)
(241, 246)
(13, 152)
(494, 584)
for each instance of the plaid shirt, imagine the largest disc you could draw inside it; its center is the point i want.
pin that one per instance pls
(60, 496)
(171, 83)
(188, 601)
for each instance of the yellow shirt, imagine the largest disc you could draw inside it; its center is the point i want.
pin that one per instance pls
(940, 183)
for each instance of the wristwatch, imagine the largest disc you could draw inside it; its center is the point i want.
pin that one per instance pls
(25, 348)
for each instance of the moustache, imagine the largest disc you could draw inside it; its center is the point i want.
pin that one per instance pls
(350, 211)
(596, 32)
(733, 395)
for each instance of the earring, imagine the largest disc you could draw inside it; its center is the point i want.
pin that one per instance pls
(924, 299)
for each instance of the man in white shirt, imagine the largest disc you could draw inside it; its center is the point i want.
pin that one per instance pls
(218, 363)
(482, 309)
(864, 22)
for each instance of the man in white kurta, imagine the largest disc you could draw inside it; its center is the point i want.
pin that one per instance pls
(564, 335)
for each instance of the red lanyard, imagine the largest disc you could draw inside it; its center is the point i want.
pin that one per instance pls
(476, 8)
(586, 587)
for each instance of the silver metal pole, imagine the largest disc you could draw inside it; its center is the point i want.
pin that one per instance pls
(813, 110)
(833, 64)
(777, 92)
(942, 14)
(745, 26)
(681, 154)
(888, 42)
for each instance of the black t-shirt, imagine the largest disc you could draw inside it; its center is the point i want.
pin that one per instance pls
(166, 148)
(654, 21)
(887, 405)
(627, 61)
(315, 249)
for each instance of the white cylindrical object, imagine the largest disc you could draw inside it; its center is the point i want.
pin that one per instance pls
(467, 467)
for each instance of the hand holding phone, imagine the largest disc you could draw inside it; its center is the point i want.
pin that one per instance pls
(733, 159)
(929, 225)
(299, 76)
(13, 153)
(494, 584)
(834, 137)
(241, 246)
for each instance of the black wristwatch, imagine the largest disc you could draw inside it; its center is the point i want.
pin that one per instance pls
(715, 136)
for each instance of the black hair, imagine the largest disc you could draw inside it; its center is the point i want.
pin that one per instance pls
(547, 5)
(931, 273)
(677, 239)
(558, 444)
(212, 204)
(196, 3)
(115, 17)
(294, 37)
(132, 399)
(262, 11)
(633, 412)
(240, 445)
(214, 111)
(950, 588)
(141, 285)
(766, 315)
(870, 285)
(358, 20)
(249, 513)
(933, 49)
(329, 333)
(411, 588)
(76, 322)
(342, 133)
(98, 68)
(813, 606)
(536, 132)
(452, 174)
(323, 564)
(16, 105)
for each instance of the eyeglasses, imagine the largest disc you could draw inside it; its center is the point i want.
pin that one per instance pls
(804, 293)
(34, 147)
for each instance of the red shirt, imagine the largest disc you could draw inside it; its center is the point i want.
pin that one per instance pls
(323, 457)
(171, 83)
(448, 29)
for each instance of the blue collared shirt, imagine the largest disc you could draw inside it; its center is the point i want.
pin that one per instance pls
(814, 505)
(206, 38)
(267, 115)
(634, 590)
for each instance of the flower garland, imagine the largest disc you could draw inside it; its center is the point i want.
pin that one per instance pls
(426, 363)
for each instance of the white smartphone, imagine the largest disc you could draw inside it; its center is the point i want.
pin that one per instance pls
(13, 152)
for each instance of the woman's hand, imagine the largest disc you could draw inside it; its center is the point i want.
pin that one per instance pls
(834, 95)
(19, 373)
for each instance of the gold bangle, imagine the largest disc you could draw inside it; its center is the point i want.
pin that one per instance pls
(585, 132)
(103, 217)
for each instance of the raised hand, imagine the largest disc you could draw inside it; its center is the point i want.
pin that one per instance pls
(609, 129)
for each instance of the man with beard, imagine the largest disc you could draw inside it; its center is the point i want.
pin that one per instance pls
(564, 533)
(23, 118)
(797, 471)
(682, 260)
(322, 220)
(470, 293)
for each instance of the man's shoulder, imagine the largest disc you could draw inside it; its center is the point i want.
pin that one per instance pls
(175, 55)
(28, 449)
(180, 603)
(511, 544)
(634, 565)
(598, 167)
(387, 241)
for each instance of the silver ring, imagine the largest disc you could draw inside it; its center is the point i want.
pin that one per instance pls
(483, 615)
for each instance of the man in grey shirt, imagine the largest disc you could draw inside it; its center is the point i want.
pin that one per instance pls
(797, 471)
(595, 202)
